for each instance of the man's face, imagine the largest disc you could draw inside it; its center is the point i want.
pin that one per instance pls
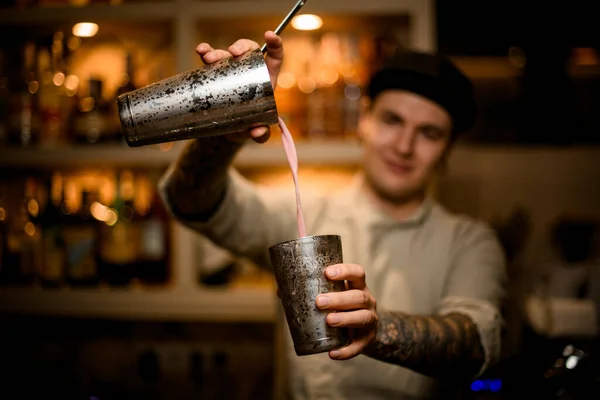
(405, 137)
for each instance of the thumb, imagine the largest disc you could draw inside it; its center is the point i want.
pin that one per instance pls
(274, 55)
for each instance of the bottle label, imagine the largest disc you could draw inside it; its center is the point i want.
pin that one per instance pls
(120, 244)
(54, 258)
(80, 243)
(153, 243)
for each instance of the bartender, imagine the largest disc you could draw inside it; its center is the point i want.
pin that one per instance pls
(426, 284)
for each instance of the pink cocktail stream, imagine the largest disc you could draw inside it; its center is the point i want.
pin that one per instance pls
(292, 157)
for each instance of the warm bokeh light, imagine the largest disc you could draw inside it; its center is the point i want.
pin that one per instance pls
(307, 85)
(33, 207)
(29, 229)
(85, 29)
(286, 80)
(329, 76)
(307, 22)
(112, 217)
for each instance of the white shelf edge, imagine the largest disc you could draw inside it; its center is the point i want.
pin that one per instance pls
(124, 12)
(207, 304)
(163, 10)
(244, 8)
(252, 155)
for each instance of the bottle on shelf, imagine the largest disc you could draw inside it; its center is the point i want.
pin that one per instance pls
(54, 102)
(31, 246)
(54, 254)
(127, 83)
(21, 252)
(23, 115)
(119, 237)
(81, 241)
(197, 373)
(4, 98)
(221, 377)
(90, 123)
(153, 220)
(150, 374)
(3, 238)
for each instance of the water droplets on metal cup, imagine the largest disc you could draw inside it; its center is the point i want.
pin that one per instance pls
(231, 95)
(299, 268)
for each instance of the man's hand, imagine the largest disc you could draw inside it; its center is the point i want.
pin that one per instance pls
(274, 59)
(358, 309)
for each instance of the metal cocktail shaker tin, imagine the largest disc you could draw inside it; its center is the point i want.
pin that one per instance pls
(299, 267)
(229, 96)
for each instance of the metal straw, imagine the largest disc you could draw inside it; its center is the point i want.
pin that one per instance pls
(286, 21)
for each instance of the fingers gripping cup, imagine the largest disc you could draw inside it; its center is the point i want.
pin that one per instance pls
(299, 268)
(231, 95)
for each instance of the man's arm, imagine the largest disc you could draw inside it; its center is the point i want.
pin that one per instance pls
(438, 346)
(195, 185)
(463, 338)
(205, 193)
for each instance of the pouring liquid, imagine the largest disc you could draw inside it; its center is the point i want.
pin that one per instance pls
(292, 157)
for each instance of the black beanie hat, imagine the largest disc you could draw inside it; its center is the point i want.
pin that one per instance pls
(431, 76)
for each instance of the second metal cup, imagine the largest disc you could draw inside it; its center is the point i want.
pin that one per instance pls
(299, 268)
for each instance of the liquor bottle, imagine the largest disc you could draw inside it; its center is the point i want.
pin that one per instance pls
(4, 99)
(54, 102)
(153, 221)
(21, 255)
(197, 373)
(31, 259)
(9, 263)
(80, 235)
(89, 120)
(127, 85)
(221, 377)
(23, 118)
(4, 269)
(53, 244)
(119, 241)
(150, 373)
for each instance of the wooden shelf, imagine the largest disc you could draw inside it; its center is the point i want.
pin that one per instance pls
(208, 304)
(92, 155)
(253, 155)
(163, 10)
(245, 8)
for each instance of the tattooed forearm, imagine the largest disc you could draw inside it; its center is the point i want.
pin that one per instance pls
(198, 182)
(438, 346)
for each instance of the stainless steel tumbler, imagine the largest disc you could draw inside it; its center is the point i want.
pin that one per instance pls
(231, 95)
(299, 267)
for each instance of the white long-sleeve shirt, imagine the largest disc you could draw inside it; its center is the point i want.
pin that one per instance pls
(432, 263)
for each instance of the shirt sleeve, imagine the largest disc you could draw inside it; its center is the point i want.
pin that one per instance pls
(476, 286)
(249, 219)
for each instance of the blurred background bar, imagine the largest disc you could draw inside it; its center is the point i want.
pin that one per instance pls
(103, 296)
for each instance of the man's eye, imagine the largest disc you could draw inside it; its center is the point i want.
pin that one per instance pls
(391, 119)
(432, 134)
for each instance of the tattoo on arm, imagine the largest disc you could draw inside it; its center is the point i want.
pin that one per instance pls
(199, 179)
(438, 346)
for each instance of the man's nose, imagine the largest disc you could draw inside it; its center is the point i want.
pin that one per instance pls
(406, 142)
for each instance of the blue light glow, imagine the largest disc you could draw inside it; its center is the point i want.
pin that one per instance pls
(487, 385)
